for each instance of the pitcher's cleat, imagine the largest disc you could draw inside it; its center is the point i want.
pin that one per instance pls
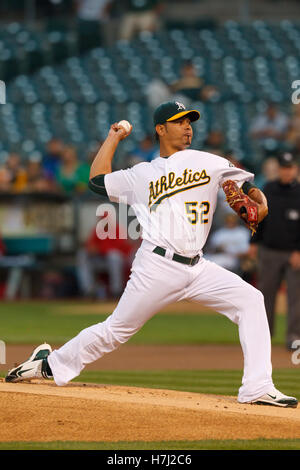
(276, 398)
(36, 367)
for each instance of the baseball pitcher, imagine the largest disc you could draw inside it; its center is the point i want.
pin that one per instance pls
(174, 198)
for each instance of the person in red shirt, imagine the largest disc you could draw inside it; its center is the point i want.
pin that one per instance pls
(110, 255)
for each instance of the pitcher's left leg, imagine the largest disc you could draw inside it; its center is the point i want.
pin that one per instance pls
(154, 282)
(227, 293)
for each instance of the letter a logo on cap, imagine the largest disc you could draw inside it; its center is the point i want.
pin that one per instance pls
(180, 105)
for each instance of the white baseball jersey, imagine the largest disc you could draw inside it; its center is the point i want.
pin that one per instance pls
(174, 198)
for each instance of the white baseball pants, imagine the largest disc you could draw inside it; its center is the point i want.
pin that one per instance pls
(157, 281)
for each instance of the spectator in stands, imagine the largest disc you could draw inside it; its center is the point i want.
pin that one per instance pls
(214, 142)
(268, 130)
(229, 244)
(13, 175)
(14, 268)
(296, 151)
(72, 176)
(111, 255)
(92, 16)
(52, 158)
(49, 9)
(5, 185)
(269, 172)
(276, 245)
(144, 152)
(36, 178)
(157, 92)
(190, 87)
(140, 15)
(293, 132)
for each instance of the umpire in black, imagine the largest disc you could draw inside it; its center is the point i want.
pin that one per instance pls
(277, 244)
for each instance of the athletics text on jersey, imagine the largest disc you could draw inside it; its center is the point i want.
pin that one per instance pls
(167, 186)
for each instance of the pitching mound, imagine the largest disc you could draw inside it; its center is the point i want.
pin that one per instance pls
(44, 412)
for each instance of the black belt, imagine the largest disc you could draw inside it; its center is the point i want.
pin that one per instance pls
(181, 259)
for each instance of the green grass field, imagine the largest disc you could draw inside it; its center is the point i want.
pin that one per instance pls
(256, 444)
(36, 322)
(218, 382)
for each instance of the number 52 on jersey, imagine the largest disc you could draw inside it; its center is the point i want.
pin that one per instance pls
(197, 212)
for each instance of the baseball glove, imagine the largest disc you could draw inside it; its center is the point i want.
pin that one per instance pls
(243, 205)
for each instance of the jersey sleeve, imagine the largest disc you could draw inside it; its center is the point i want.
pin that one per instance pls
(120, 186)
(231, 172)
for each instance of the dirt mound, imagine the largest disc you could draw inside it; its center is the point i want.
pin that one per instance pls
(44, 412)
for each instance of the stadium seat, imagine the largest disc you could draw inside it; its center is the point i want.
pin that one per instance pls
(53, 90)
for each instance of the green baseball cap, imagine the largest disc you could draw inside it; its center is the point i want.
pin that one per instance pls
(171, 110)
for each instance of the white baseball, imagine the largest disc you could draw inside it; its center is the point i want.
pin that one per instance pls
(125, 124)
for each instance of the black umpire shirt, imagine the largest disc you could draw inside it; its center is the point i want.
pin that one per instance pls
(280, 230)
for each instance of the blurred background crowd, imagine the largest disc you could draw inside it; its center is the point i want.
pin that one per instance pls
(72, 68)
